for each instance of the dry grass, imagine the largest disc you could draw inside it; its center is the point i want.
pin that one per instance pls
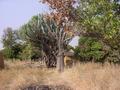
(81, 77)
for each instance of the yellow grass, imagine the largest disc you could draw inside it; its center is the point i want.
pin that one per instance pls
(88, 76)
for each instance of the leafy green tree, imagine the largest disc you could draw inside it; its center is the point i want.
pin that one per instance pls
(89, 49)
(98, 19)
(9, 37)
(10, 44)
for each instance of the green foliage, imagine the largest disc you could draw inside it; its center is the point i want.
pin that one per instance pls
(13, 52)
(8, 53)
(99, 20)
(29, 52)
(89, 49)
(26, 52)
(9, 37)
(11, 46)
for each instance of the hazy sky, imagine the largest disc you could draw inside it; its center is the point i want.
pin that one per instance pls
(14, 13)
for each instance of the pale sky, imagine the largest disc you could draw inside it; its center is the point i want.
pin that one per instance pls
(14, 13)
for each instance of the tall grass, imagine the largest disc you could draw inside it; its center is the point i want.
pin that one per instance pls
(88, 76)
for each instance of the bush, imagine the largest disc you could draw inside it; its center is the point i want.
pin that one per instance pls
(89, 49)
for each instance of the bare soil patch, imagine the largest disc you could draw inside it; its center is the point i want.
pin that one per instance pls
(47, 87)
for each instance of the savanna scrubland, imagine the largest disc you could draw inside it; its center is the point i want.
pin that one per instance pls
(46, 37)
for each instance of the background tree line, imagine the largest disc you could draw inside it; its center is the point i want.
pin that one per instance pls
(16, 48)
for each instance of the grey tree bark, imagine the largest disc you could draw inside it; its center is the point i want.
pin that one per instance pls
(60, 57)
(60, 61)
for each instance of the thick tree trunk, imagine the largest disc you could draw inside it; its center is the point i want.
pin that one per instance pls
(60, 62)
(60, 57)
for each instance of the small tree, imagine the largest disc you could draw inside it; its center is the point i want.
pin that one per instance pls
(11, 47)
(9, 37)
